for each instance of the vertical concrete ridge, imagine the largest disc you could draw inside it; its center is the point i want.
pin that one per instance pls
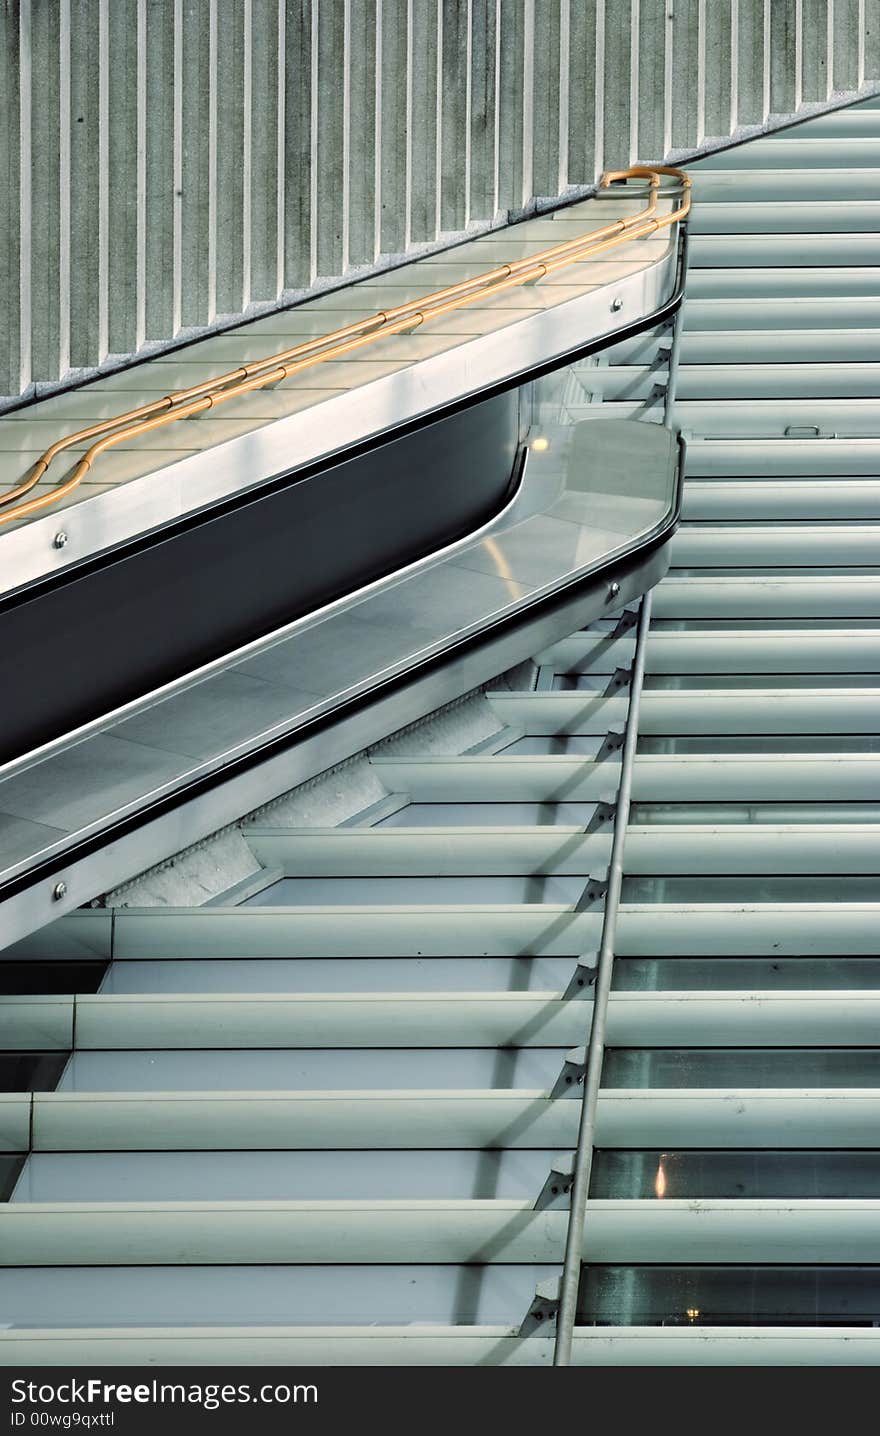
(176, 165)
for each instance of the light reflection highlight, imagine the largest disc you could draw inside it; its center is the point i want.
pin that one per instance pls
(660, 1180)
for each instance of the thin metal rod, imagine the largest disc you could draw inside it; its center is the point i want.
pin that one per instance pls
(583, 1162)
(274, 369)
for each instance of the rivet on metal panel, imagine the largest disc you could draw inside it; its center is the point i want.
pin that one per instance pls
(59, 891)
(616, 305)
(60, 539)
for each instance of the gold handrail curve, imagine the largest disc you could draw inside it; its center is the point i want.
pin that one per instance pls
(186, 403)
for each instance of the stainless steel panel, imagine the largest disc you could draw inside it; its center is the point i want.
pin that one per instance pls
(213, 717)
(88, 779)
(19, 833)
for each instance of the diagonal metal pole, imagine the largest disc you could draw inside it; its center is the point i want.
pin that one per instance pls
(583, 1164)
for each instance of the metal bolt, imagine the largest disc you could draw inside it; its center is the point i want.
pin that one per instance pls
(613, 589)
(59, 891)
(616, 305)
(60, 539)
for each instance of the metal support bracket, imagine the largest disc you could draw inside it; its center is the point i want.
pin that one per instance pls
(620, 678)
(611, 743)
(594, 891)
(558, 1184)
(603, 814)
(544, 1307)
(627, 621)
(570, 1079)
(583, 977)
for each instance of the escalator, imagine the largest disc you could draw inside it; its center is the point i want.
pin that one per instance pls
(189, 631)
(332, 1117)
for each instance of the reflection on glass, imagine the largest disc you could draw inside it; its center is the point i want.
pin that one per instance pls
(739, 974)
(645, 813)
(750, 888)
(801, 681)
(756, 1173)
(742, 1067)
(765, 743)
(660, 1178)
(729, 1296)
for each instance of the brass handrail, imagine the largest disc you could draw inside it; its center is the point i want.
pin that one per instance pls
(186, 403)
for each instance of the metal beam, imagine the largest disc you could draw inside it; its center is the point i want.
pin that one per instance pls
(705, 711)
(230, 1020)
(751, 650)
(759, 500)
(729, 1119)
(552, 929)
(47, 1234)
(774, 546)
(684, 849)
(677, 777)
(773, 597)
(438, 1346)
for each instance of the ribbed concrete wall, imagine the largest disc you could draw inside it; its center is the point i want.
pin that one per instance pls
(174, 163)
